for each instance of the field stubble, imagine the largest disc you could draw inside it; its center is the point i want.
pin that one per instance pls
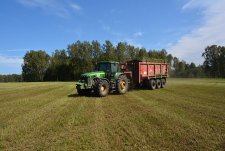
(189, 114)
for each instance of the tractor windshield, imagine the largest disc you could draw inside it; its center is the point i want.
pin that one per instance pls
(109, 67)
(104, 67)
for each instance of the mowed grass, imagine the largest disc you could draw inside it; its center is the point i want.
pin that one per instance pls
(189, 114)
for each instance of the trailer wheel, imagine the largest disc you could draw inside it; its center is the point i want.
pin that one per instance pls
(163, 83)
(158, 83)
(102, 88)
(152, 84)
(122, 84)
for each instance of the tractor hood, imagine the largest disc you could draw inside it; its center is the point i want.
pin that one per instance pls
(99, 74)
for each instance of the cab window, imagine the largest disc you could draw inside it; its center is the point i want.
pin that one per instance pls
(114, 67)
(104, 67)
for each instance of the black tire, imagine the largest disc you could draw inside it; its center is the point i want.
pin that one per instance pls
(163, 83)
(122, 85)
(158, 83)
(80, 92)
(102, 88)
(88, 92)
(152, 84)
(146, 84)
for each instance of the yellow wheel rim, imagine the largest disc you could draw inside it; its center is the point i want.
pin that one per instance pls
(122, 84)
(103, 87)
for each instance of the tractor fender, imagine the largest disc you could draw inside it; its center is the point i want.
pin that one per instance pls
(97, 79)
(117, 75)
(105, 79)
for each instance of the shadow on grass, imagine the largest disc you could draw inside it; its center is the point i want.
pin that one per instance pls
(77, 95)
(89, 95)
(73, 95)
(92, 94)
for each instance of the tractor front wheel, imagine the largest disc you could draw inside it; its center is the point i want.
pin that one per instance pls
(80, 92)
(102, 88)
(122, 84)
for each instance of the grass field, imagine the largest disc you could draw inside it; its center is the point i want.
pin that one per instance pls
(189, 114)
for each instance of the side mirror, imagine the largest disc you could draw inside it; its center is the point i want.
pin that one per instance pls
(122, 66)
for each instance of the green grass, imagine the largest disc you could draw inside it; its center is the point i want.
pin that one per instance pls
(189, 114)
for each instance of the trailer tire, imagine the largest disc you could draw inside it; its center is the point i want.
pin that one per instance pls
(163, 83)
(122, 85)
(158, 83)
(102, 88)
(152, 84)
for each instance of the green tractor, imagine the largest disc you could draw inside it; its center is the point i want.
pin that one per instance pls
(108, 77)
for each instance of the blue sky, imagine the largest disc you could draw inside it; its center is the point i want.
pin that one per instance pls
(182, 27)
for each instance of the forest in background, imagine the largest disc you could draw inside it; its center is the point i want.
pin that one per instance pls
(81, 57)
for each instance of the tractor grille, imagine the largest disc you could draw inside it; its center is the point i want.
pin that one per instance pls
(85, 80)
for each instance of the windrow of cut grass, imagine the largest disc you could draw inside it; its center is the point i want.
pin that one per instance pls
(189, 114)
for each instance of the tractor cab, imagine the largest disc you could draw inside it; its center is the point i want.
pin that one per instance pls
(108, 77)
(109, 67)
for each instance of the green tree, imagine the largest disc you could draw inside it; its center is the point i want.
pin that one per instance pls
(222, 62)
(214, 64)
(132, 52)
(35, 65)
(121, 52)
(59, 69)
(142, 54)
(109, 52)
(80, 56)
(169, 59)
(10, 78)
(96, 52)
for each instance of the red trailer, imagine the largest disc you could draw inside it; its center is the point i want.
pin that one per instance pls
(149, 74)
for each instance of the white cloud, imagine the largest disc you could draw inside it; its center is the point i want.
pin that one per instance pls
(15, 50)
(130, 38)
(138, 34)
(56, 7)
(196, 4)
(114, 11)
(10, 60)
(75, 6)
(133, 43)
(106, 28)
(35, 3)
(190, 46)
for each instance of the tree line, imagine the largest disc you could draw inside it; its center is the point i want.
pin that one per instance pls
(11, 78)
(81, 57)
(214, 64)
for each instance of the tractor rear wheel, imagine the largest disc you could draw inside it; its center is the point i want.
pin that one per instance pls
(102, 88)
(158, 83)
(152, 84)
(122, 84)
